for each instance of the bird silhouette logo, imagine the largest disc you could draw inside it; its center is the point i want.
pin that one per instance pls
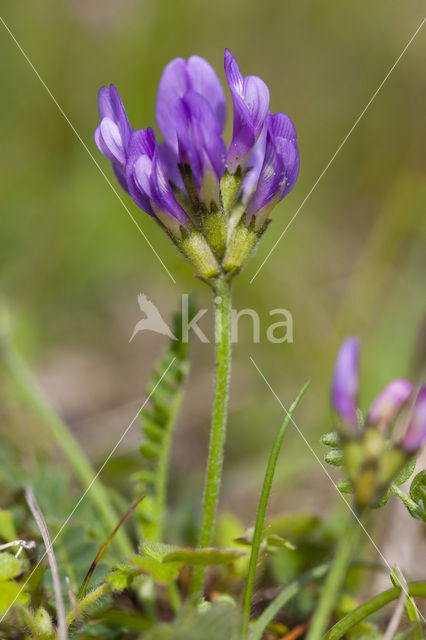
(153, 320)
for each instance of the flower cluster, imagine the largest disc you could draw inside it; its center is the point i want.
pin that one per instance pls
(374, 452)
(213, 201)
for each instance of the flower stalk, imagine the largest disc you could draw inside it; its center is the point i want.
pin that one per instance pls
(222, 291)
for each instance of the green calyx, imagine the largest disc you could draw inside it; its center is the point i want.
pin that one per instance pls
(220, 238)
(371, 464)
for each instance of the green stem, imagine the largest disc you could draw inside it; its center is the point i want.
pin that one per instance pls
(261, 512)
(91, 597)
(415, 589)
(33, 395)
(222, 291)
(335, 578)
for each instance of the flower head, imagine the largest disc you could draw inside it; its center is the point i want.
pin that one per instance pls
(371, 455)
(211, 199)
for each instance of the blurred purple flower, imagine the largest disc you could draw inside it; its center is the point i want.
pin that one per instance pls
(250, 99)
(113, 133)
(345, 385)
(415, 434)
(387, 404)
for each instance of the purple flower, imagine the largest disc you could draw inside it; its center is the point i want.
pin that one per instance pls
(147, 182)
(113, 133)
(345, 385)
(388, 403)
(277, 169)
(415, 434)
(250, 99)
(200, 143)
(179, 77)
(171, 179)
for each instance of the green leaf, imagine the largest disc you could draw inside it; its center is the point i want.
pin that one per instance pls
(335, 457)
(10, 567)
(406, 472)
(10, 592)
(383, 500)
(280, 543)
(204, 557)
(331, 439)
(7, 528)
(418, 489)
(345, 486)
(165, 391)
(161, 572)
(121, 577)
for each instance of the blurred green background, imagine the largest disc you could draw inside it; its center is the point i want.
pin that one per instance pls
(72, 262)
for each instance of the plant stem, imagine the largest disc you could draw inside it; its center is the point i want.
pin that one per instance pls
(91, 597)
(415, 589)
(335, 578)
(261, 512)
(79, 462)
(222, 291)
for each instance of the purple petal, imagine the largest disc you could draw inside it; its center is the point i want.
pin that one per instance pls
(280, 166)
(109, 141)
(147, 181)
(250, 99)
(139, 168)
(162, 195)
(254, 166)
(199, 137)
(385, 407)
(415, 434)
(345, 384)
(110, 106)
(179, 77)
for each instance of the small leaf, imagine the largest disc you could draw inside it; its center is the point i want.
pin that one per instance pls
(335, 457)
(10, 567)
(7, 528)
(120, 578)
(331, 439)
(406, 471)
(418, 489)
(204, 557)
(345, 486)
(281, 543)
(157, 550)
(383, 500)
(161, 572)
(10, 592)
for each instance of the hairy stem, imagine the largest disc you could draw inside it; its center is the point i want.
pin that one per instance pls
(85, 602)
(335, 578)
(79, 462)
(261, 512)
(222, 291)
